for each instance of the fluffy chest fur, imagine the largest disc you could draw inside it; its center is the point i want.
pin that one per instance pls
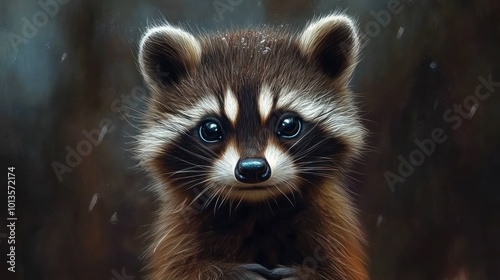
(252, 235)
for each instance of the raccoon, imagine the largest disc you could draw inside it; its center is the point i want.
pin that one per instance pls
(260, 126)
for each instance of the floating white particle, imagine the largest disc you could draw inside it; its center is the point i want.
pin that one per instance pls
(63, 57)
(400, 32)
(114, 218)
(433, 65)
(103, 132)
(379, 220)
(472, 111)
(263, 41)
(242, 40)
(266, 50)
(93, 201)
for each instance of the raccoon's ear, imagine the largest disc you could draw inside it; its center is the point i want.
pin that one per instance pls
(166, 54)
(332, 43)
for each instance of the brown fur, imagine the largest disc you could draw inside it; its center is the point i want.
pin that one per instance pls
(317, 234)
(328, 237)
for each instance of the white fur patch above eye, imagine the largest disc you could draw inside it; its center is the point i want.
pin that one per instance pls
(337, 120)
(171, 126)
(231, 106)
(265, 102)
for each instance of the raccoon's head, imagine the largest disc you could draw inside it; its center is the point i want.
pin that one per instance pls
(249, 115)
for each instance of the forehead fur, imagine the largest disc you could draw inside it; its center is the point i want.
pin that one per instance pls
(245, 61)
(180, 67)
(252, 58)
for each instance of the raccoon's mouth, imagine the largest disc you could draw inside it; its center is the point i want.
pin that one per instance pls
(256, 193)
(250, 188)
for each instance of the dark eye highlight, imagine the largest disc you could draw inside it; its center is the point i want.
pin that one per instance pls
(210, 131)
(289, 127)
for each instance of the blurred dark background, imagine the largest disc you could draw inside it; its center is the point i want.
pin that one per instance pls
(68, 68)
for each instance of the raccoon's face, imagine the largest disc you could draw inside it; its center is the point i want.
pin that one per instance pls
(249, 115)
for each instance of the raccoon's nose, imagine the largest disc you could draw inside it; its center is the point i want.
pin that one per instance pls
(252, 170)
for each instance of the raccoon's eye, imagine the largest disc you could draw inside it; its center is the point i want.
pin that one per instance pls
(210, 131)
(289, 127)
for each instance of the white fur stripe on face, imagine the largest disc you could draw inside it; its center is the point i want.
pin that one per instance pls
(231, 106)
(224, 167)
(265, 102)
(282, 166)
(154, 138)
(339, 122)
